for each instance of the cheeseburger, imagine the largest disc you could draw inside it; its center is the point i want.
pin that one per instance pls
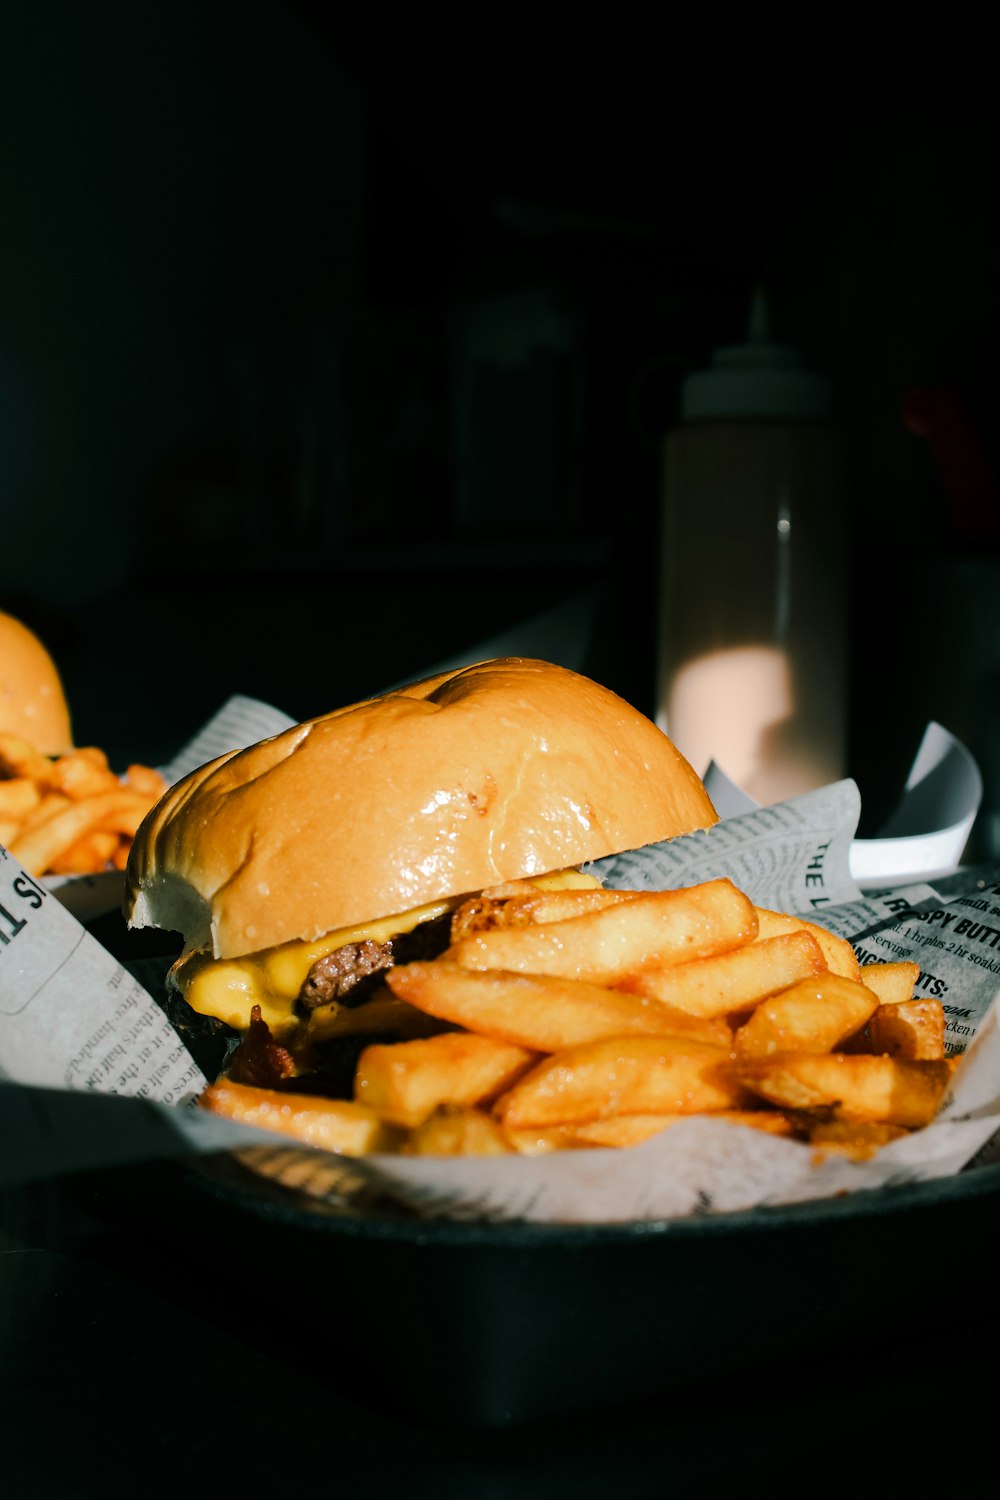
(299, 870)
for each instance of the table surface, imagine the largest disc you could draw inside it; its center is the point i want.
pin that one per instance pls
(124, 1371)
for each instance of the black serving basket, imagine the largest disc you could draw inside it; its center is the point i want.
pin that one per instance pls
(498, 1324)
(488, 1325)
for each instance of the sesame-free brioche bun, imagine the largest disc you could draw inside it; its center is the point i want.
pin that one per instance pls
(32, 701)
(505, 769)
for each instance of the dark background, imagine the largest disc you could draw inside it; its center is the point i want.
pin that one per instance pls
(334, 342)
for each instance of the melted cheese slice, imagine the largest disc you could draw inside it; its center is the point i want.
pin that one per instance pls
(227, 988)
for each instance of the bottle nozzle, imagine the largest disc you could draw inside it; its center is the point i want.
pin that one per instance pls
(757, 378)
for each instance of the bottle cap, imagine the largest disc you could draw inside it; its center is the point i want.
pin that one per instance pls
(755, 379)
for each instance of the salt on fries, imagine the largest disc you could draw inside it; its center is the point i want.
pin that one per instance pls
(70, 814)
(593, 1018)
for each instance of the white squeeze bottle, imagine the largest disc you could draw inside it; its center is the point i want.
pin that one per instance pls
(754, 604)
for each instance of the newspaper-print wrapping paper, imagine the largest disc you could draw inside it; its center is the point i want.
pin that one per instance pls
(925, 833)
(96, 1074)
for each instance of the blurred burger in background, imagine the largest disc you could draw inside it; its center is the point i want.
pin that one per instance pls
(32, 701)
(64, 811)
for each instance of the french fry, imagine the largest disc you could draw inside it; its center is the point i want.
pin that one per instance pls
(125, 813)
(848, 1086)
(624, 1130)
(485, 912)
(19, 758)
(48, 803)
(78, 776)
(382, 1013)
(460, 1131)
(840, 956)
(35, 788)
(632, 1130)
(652, 929)
(146, 781)
(18, 797)
(858, 1139)
(540, 1141)
(407, 1081)
(733, 982)
(46, 841)
(542, 1012)
(815, 1015)
(622, 1075)
(892, 983)
(529, 906)
(93, 753)
(340, 1125)
(558, 906)
(912, 1029)
(88, 854)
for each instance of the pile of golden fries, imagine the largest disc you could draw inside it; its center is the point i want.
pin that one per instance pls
(583, 1018)
(70, 814)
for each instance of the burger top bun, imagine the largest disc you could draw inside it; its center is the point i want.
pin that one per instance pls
(509, 768)
(32, 701)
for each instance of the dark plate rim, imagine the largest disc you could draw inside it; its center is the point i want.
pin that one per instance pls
(236, 1187)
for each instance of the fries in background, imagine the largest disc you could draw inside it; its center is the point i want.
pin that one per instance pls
(70, 814)
(596, 1019)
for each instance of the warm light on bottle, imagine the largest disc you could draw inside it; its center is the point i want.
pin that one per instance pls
(752, 651)
(737, 708)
